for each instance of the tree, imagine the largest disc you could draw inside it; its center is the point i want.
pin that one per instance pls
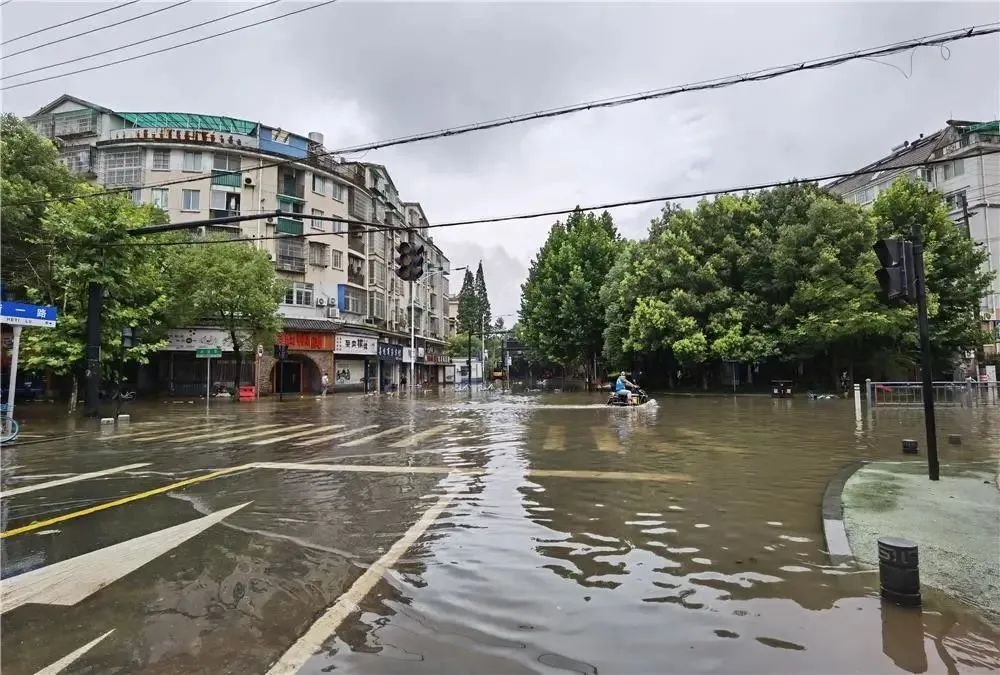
(88, 242)
(29, 172)
(482, 298)
(468, 305)
(498, 323)
(562, 316)
(232, 285)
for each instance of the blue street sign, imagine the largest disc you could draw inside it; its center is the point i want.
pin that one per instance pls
(23, 314)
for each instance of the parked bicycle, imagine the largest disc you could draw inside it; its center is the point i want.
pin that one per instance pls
(8, 425)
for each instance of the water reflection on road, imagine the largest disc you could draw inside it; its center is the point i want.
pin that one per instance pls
(709, 556)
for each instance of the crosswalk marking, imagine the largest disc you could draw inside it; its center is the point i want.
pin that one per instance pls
(606, 441)
(244, 436)
(226, 431)
(308, 432)
(333, 437)
(149, 435)
(555, 439)
(359, 441)
(71, 479)
(419, 436)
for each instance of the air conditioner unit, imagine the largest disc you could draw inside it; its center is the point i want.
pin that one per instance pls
(320, 302)
(248, 181)
(332, 312)
(370, 321)
(269, 221)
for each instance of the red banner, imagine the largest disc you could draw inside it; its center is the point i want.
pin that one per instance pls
(307, 341)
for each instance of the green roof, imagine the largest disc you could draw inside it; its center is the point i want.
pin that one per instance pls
(175, 120)
(985, 128)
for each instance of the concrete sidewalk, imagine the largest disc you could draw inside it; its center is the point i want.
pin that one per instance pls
(955, 521)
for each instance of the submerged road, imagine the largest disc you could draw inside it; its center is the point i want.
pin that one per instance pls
(497, 534)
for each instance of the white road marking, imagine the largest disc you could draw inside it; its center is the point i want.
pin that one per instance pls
(244, 436)
(308, 432)
(359, 441)
(65, 661)
(606, 441)
(72, 479)
(228, 431)
(555, 439)
(307, 645)
(333, 437)
(366, 468)
(147, 435)
(70, 581)
(419, 436)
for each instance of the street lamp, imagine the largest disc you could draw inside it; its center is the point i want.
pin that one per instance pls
(413, 339)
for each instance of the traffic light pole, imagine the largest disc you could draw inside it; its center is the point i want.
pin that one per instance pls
(413, 337)
(927, 366)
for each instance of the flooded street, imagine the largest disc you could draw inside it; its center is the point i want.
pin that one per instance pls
(447, 534)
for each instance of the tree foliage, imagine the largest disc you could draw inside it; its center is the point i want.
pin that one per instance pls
(468, 305)
(482, 297)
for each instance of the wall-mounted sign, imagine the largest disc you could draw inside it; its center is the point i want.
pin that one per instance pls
(304, 341)
(356, 344)
(23, 314)
(190, 339)
(186, 136)
(390, 352)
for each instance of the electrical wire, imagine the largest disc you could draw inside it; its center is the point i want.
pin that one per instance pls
(97, 29)
(382, 227)
(140, 42)
(171, 48)
(66, 23)
(950, 36)
(5, 2)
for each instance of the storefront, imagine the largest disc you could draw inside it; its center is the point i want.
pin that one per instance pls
(179, 372)
(433, 360)
(390, 357)
(355, 362)
(310, 354)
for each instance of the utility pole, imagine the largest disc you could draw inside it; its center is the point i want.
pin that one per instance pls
(930, 424)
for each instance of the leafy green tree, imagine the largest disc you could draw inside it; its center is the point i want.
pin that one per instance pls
(230, 285)
(562, 317)
(482, 298)
(88, 242)
(29, 172)
(468, 305)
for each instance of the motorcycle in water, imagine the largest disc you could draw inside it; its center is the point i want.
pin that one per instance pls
(638, 397)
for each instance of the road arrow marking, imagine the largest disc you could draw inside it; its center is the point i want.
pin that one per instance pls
(72, 479)
(65, 661)
(70, 581)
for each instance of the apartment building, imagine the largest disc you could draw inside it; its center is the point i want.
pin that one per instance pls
(343, 313)
(969, 180)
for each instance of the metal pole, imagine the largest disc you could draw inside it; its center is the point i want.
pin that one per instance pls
(413, 339)
(281, 377)
(208, 380)
(95, 298)
(14, 351)
(470, 363)
(925, 352)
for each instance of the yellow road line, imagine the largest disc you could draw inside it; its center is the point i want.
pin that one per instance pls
(124, 500)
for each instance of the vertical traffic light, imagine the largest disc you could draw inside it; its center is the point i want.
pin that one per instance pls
(417, 263)
(897, 276)
(404, 261)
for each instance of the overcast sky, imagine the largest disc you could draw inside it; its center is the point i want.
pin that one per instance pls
(361, 71)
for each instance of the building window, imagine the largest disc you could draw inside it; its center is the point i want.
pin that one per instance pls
(354, 301)
(317, 254)
(316, 224)
(376, 304)
(337, 259)
(336, 191)
(224, 161)
(123, 167)
(161, 160)
(192, 161)
(224, 203)
(291, 255)
(319, 184)
(136, 196)
(192, 200)
(290, 209)
(160, 197)
(299, 294)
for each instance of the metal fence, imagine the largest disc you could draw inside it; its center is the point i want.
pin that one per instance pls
(965, 394)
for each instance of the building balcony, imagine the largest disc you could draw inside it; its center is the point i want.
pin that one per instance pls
(289, 226)
(227, 178)
(292, 191)
(287, 263)
(356, 243)
(356, 279)
(222, 213)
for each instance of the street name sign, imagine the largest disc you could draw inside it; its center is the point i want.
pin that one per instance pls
(23, 314)
(208, 352)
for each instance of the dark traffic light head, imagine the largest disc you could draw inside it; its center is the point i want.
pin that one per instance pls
(897, 275)
(404, 261)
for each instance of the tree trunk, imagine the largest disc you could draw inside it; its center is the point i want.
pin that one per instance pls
(73, 394)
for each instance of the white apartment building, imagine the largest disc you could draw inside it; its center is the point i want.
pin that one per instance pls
(343, 309)
(969, 180)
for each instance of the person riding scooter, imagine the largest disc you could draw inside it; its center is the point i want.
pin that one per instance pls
(623, 387)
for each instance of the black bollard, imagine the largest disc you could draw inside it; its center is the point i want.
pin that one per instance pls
(898, 571)
(954, 439)
(909, 446)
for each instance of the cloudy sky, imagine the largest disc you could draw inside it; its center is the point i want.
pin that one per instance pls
(365, 70)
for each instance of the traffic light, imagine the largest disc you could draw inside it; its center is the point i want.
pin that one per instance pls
(417, 263)
(897, 275)
(404, 261)
(281, 352)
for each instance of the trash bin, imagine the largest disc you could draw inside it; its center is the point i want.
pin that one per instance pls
(781, 388)
(248, 393)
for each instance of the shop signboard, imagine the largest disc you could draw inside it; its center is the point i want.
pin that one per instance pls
(361, 345)
(390, 352)
(191, 339)
(307, 341)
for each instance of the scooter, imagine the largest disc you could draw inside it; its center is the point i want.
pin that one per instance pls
(638, 398)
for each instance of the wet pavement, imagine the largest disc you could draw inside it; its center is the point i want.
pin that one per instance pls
(497, 534)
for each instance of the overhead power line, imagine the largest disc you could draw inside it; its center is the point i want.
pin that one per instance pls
(168, 49)
(66, 23)
(193, 26)
(382, 227)
(718, 83)
(96, 29)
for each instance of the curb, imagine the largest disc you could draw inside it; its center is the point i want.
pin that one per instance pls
(838, 547)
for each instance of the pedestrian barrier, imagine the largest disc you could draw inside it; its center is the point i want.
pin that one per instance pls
(904, 393)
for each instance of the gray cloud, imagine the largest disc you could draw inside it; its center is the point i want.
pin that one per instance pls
(363, 71)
